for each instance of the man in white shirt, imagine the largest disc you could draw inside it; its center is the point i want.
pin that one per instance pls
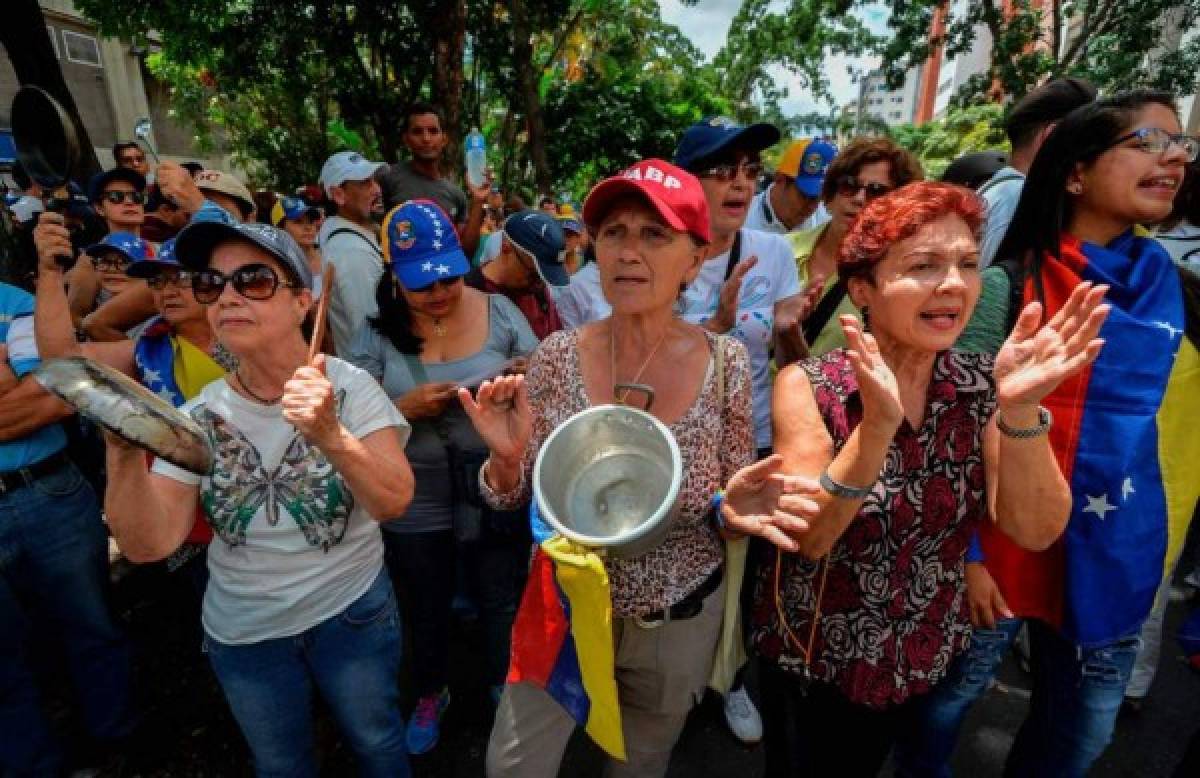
(792, 202)
(1030, 121)
(349, 242)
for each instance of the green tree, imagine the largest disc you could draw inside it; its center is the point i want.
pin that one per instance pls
(1118, 44)
(961, 130)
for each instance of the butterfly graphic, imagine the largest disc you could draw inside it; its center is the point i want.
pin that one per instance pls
(304, 484)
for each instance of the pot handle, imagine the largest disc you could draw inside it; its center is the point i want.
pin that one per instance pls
(647, 391)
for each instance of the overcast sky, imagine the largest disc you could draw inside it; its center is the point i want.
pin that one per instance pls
(707, 24)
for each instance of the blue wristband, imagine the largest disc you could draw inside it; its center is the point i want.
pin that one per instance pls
(718, 499)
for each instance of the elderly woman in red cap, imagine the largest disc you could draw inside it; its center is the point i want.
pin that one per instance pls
(914, 445)
(650, 228)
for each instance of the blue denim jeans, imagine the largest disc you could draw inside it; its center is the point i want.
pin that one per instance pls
(1076, 696)
(351, 660)
(54, 572)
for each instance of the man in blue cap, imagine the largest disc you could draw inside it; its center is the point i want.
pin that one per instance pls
(529, 264)
(793, 200)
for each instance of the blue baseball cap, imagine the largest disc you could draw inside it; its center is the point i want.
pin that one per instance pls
(537, 234)
(717, 133)
(148, 267)
(195, 243)
(421, 246)
(100, 180)
(806, 162)
(128, 245)
(293, 208)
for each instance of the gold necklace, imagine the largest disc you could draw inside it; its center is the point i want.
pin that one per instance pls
(612, 345)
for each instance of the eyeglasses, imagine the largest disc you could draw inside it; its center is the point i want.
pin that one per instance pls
(850, 186)
(727, 171)
(254, 282)
(111, 262)
(180, 280)
(1155, 140)
(441, 283)
(116, 197)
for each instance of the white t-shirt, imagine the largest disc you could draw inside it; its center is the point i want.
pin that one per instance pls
(292, 547)
(1182, 242)
(773, 278)
(583, 299)
(355, 252)
(761, 216)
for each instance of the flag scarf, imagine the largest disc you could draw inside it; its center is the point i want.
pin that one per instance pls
(1119, 435)
(562, 639)
(172, 367)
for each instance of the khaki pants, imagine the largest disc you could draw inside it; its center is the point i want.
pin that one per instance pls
(661, 673)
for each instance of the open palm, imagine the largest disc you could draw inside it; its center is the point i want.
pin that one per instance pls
(501, 415)
(1034, 361)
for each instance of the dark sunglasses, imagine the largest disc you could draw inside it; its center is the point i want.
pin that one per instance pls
(727, 171)
(851, 186)
(254, 282)
(180, 280)
(116, 197)
(442, 283)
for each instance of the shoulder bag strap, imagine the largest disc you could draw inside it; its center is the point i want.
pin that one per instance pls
(355, 233)
(735, 256)
(824, 311)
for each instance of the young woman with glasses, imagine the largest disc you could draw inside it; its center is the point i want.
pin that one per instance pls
(865, 170)
(308, 460)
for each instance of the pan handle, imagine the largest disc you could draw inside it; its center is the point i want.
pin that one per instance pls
(643, 389)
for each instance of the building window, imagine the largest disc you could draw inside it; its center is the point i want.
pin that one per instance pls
(81, 49)
(895, 114)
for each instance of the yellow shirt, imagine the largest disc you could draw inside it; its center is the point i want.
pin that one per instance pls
(831, 335)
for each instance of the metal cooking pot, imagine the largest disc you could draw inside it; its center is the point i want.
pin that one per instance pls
(608, 478)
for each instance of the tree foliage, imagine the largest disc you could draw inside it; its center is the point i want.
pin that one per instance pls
(1118, 44)
(937, 143)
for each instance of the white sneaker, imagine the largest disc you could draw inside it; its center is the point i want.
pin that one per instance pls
(742, 716)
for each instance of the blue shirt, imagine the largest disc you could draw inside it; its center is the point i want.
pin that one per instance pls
(16, 331)
(1002, 193)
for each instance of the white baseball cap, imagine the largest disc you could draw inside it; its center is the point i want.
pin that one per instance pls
(346, 166)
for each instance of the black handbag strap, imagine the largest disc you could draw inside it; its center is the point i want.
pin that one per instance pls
(357, 234)
(824, 311)
(735, 256)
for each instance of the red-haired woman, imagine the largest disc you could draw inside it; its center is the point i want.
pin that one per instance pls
(914, 445)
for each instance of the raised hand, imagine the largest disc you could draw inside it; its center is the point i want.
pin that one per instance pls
(726, 315)
(790, 343)
(53, 240)
(309, 405)
(501, 415)
(762, 501)
(175, 182)
(1034, 361)
(877, 385)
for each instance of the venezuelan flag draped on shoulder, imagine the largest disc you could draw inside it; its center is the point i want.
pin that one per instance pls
(562, 636)
(1124, 437)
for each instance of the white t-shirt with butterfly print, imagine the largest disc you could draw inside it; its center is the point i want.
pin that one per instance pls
(291, 548)
(773, 278)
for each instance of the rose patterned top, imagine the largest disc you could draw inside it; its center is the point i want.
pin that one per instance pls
(894, 610)
(714, 444)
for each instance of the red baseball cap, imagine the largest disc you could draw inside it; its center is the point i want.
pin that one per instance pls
(673, 192)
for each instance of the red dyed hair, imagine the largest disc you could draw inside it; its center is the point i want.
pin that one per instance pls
(898, 215)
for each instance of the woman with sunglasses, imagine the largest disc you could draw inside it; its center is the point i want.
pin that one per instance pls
(432, 335)
(175, 356)
(915, 445)
(308, 460)
(650, 227)
(863, 171)
(302, 221)
(106, 277)
(1124, 432)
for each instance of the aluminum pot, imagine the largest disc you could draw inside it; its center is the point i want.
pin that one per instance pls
(608, 478)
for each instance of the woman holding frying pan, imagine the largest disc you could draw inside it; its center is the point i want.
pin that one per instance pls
(308, 459)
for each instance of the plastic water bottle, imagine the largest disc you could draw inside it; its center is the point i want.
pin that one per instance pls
(476, 149)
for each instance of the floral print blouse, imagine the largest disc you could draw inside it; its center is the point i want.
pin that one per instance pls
(714, 443)
(893, 612)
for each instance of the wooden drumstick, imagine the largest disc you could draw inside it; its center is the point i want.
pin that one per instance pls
(318, 334)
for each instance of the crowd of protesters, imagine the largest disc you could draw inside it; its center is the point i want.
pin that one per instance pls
(935, 419)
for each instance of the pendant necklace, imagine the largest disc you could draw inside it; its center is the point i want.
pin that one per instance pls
(612, 343)
(237, 375)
